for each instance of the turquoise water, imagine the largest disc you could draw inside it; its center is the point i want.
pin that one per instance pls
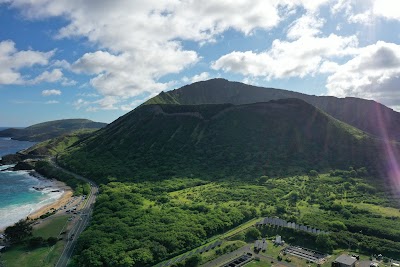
(18, 198)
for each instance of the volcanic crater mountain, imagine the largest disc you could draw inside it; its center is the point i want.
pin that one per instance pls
(366, 115)
(279, 137)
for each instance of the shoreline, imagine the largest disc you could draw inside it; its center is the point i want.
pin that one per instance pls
(65, 197)
(58, 203)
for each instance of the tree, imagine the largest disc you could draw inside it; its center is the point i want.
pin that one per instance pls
(338, 225)
(324, 243)
(19, 231)
(262, 179)
(313, 174)
(36, 241)
(52, 240)
(193, 261)
(252, 233)
(280, 209)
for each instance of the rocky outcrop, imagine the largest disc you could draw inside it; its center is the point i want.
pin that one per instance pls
(11, 159)
(23, 166)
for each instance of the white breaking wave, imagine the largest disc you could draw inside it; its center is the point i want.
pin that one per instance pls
(3, 167)
(13, 213)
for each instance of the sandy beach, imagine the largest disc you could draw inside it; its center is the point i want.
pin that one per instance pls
(66, 196)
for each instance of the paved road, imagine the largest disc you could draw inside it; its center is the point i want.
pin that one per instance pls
(80, 222)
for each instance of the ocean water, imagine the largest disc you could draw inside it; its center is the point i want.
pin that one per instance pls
(18, 198)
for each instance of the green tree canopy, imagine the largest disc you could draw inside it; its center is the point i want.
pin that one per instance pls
(324, 243)
(19, 231)
(252, 233)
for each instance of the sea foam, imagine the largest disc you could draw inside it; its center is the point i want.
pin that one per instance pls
(20, 199)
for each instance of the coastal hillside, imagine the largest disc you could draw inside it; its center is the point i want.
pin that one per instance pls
(56, 145)
(51, 129)
(366, 115)
(280, 137)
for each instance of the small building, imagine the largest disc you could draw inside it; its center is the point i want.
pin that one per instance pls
(278, 240)
(260, 245)
(344, 261)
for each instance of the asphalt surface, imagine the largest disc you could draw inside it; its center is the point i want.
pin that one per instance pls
(80, 222)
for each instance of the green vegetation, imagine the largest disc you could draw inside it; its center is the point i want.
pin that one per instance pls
(51, 129)
(220, 141)
(140, 224)
(18, 232)
(42, 250)
(126, 230)
(51, 228)
(48, 170)
(175, 177)
(57, 145)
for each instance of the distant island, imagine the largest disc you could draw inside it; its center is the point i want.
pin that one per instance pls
(51, 129)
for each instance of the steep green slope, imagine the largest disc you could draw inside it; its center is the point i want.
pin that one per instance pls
(51, 129)
(367, 115)
(214, 141)
(57, 145)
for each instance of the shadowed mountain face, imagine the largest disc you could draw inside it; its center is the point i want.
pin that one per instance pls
(279, 137)
(366, 115)
(51, 129)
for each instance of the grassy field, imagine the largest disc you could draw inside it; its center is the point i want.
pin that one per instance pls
(375, 209)
(45, 256)
(51, 227)
(41, 257)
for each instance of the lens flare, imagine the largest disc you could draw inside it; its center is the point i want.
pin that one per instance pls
(390, 152)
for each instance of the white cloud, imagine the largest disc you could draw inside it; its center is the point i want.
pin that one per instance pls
(52, 102)
(196, 78)
(132, 105)
(141, 41)
(288, 59)
(367, 11)
(80, 103)
(306, 25)
(341, 6)
(61, 64)
(388, 9)
(49, 76)
(251, 80)
(329, 67)
(107, 103)
(51, 92)
(374, 73)
(88, 95)
(55, 75)
(12, 61)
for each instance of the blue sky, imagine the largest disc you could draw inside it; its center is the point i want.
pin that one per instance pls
(100, 59)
